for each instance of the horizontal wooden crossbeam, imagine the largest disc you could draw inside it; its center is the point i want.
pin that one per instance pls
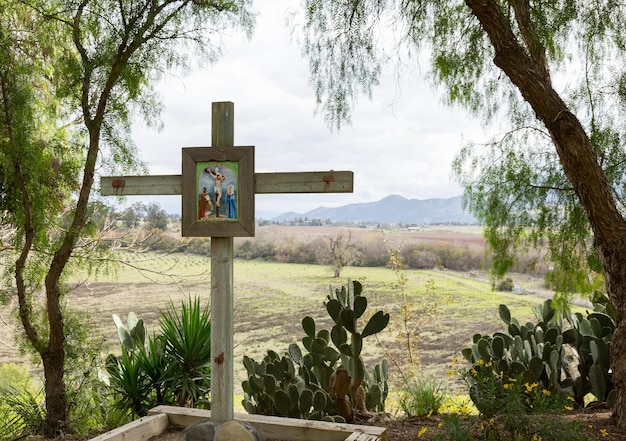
(264, 183)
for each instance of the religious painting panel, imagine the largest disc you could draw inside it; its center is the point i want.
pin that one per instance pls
(218, 192)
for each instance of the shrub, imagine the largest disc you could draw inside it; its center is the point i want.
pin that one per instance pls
(422, 397)
(20, 411)
(199, 245)
(442, 254)
(187, 350)
(174, 367)
(506, 285)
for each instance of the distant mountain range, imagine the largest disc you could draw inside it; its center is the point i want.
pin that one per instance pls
(392, 210)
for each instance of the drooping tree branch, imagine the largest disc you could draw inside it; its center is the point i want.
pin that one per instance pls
(572, 143)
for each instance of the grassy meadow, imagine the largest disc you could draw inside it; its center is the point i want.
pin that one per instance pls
(272, 298)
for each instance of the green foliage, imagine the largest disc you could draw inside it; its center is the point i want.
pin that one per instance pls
(275, 387)
(173, 367)
(342, 63)
(20, 409)
(346, 308)
(21, 412)
(531, 367)
(510, 426)
(456, 429)
(129, 383)
(70, 83)
(522, 183)
(301, 385)
(86, 403)
(506, 285)
(133, 334)
(21, 404)
(187, 350)
(156, 217)
(422, 397)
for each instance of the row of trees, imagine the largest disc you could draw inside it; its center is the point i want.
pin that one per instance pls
(105, 218)
(335, 252)
(330, 251)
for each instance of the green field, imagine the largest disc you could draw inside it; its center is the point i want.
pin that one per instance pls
(272, 298)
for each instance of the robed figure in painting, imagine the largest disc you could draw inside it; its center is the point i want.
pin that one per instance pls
(205, 205)
(231, 202)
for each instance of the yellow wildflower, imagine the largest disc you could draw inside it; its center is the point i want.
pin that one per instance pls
(474, 372)
(421, 432)
(530, 387)
(546, 392)
(604, 432)
(568, 407)
(536, 437)
(480, 362)
(455, 360)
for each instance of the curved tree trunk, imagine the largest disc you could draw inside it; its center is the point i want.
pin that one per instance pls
(580, 163)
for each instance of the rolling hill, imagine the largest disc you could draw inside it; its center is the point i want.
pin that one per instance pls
(393, 209)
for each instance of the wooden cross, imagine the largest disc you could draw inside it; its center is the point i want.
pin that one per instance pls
(222, 135)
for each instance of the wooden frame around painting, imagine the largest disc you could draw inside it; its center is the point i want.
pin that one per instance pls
(218, 192)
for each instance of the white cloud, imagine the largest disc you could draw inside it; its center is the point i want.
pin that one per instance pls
(402, 142)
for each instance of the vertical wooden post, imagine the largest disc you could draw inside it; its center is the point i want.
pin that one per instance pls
(222, 135)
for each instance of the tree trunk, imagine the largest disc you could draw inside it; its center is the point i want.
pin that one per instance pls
(581, 166)
(613, 261)
(57, 420)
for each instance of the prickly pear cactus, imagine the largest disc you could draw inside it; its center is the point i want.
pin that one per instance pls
(298, 384)
(133, 334)
(571, 359)
(346, 307)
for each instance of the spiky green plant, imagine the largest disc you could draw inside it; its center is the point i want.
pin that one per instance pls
(187, 337)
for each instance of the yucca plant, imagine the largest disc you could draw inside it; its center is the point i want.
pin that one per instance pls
(129, 383)
(155, 366)
(173, 367)
(20, 412)
(187, 349)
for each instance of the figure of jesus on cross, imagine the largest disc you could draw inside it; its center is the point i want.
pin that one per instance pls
(218, 187)
(222, 230)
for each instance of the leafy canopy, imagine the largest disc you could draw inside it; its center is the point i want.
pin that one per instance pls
(515, 183)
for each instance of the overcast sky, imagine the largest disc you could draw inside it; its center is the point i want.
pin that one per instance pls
(401, 142)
